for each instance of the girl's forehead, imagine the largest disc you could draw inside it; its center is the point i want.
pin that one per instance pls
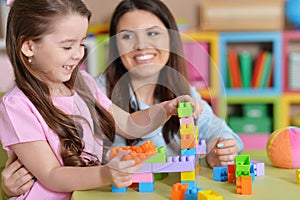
(69, 26)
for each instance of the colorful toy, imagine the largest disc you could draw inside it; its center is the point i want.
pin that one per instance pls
(155, 161)
(138, 154)
(283, 147)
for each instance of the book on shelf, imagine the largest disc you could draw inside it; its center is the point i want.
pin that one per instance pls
(294, 71)
(245, 59)
(262, 75)
(234, 69)
(267, 66)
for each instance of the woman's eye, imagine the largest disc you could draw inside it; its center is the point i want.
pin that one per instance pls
(153, 33)
(127, 36)
(67, 48)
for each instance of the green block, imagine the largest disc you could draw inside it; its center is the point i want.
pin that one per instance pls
(160, 176)
(185, 109)
(255, 110)
(160, 157)
(242, 165)
(250, 125)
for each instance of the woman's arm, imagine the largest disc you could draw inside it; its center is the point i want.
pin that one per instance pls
(16, 179)
(39, 159)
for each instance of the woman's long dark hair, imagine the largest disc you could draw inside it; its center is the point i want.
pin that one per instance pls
(31, 20)
(173, 79)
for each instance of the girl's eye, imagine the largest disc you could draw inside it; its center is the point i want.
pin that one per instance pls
(83, 45)
(67, 48)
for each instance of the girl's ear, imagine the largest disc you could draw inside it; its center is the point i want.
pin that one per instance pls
(27, 48)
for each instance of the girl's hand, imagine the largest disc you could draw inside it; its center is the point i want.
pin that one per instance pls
(223, 153)
(120, 172)
(16, 180)
(172, 105)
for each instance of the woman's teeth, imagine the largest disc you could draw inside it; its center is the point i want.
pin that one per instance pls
(144, 57)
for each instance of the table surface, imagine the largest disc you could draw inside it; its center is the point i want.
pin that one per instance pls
(276, 184)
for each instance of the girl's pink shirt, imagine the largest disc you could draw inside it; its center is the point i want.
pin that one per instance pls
(21, 122)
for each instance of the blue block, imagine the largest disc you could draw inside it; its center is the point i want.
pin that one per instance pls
(189, 183)
(220, 173)
(115, 189)
(192, 193)
(252, 171)
(146, 186)
(188, 152)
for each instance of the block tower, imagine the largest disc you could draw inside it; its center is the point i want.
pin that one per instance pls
(188, 141)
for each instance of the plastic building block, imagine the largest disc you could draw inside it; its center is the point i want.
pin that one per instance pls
(185, 109)
(259, 168)
(187, 129)
(142, 177)
(192, 193)
(137, 153)
(178, 191)
(160, 176)
(146, 186)
(252, 171)
(220, 173)
(201, 147)
(298, 176)
(188, 176)
(242, 165)
(115, 189)
(190, 183)
(146, 168)
(209, 195)
(160, 157)
(231, 173)
(175, 164)
(188, 152)
(186, 120)
(187, 141)
(244, 185)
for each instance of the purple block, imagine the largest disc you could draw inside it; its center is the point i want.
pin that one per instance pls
(201, 147)
(146, 168)
(259, 168)
(186, 120)
(175, 164)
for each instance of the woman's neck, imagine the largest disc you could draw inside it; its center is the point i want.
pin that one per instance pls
(144, 92)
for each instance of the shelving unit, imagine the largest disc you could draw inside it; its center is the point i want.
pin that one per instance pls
(291, 61)
(270, 41)
(290, 106)
(211, 93)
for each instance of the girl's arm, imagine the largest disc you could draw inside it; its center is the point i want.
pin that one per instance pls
(140, 123)
(39, 159)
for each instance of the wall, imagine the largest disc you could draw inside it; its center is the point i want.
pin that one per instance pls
(102, 10)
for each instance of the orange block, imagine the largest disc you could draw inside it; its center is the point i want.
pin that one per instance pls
(178, 191)
(187, 141)
(137, 153)
(244, 185)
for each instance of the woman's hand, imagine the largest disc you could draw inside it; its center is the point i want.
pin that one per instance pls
(16, 180)
(120, 172)
(223, 152)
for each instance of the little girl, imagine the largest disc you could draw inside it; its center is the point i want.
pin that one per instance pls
(55, 119)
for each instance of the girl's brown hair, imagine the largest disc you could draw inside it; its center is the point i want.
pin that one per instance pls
(31, 20)
(173, 79)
